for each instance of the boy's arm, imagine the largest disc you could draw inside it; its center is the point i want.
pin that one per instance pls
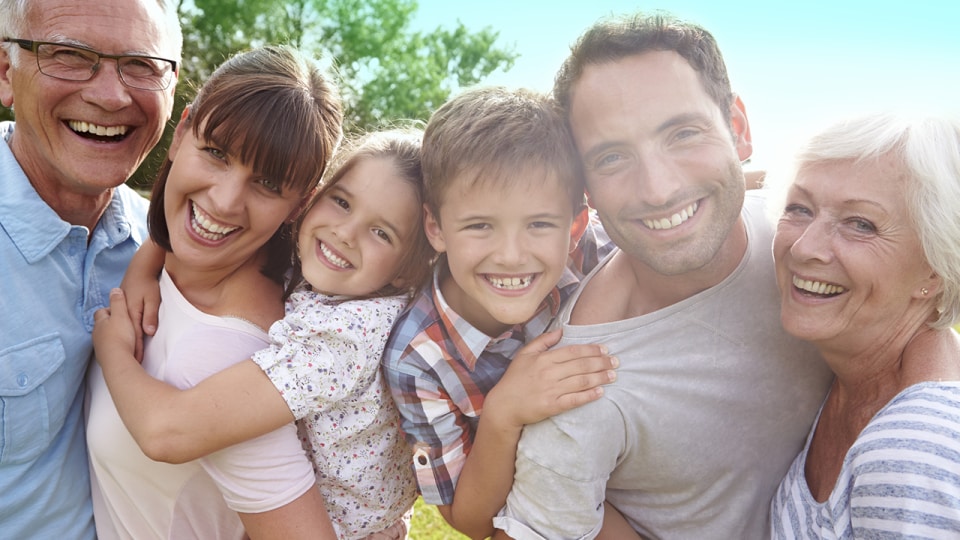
(174, 425)
(615, 527)
(538, 384)
(304, 518)
(143, 291)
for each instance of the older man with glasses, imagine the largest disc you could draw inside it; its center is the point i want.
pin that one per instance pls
(92, 84)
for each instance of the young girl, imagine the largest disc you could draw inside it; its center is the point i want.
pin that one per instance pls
(362, 252)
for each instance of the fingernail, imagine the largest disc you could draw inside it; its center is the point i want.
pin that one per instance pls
(615, 361)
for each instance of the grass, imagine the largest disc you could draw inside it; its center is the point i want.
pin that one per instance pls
(428, 524)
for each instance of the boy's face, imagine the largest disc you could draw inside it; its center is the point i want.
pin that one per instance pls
(506, 246)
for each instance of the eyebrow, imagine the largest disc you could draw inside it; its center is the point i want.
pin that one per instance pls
(807, 194)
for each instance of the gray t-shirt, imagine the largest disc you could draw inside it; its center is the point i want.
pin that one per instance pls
(711, 404)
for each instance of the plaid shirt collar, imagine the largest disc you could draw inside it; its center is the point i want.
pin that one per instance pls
(469, 342)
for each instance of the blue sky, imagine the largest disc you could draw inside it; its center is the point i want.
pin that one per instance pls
(797, 65)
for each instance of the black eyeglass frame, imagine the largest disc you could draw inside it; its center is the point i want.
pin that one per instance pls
(33, 46)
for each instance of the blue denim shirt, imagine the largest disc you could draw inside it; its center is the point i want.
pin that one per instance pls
(51, 282)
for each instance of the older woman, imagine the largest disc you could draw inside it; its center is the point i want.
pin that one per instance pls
(868, 264)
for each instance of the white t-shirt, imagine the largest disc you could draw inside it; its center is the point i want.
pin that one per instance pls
(138, 498)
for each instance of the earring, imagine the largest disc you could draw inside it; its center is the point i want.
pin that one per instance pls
(924, 291)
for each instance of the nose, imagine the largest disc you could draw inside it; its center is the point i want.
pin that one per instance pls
(511, 249)
(228, 194)
(105, 89)
(815, 242)
(345, 231)
(658, 180)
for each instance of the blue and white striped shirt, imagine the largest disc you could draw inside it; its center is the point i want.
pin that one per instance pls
(900, 479)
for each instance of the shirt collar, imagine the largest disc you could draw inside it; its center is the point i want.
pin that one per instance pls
(33, 227)
(469, 342)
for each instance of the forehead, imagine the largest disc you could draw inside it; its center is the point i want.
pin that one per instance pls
(650, 87)
(539, 186)
(877, 181)
(110, 26)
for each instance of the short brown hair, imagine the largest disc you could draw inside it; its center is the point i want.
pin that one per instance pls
(615, 38)
(497, 134)
(275, 109)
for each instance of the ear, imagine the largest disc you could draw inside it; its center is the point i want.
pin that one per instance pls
(6, 85)
(578, 227)
(933, 286)
(433, 230)
(741, 129)
(182, 126)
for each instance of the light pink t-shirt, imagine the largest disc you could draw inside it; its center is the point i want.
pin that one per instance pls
(135, 497)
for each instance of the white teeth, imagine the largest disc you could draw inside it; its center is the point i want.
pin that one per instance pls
(817, 287)
(103, 131)
(333, 258)
(206, 228)
(510, 283)
(674, 220)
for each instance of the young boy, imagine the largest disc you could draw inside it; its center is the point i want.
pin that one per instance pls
(505, 208)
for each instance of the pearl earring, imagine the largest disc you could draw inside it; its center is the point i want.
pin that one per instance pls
(924, 291)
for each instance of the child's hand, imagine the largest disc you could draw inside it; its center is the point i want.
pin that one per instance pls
(114, 335)
(142, 290)
(541, 383)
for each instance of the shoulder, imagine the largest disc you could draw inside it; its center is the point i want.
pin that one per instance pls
(918, 430)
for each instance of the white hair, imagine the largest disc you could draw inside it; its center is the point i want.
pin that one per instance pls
(13, 24)
(926, 149)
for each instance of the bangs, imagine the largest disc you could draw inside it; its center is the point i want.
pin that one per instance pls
(276, 129)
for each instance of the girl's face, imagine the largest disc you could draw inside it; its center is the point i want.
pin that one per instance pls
(219, 212)
(352, 240)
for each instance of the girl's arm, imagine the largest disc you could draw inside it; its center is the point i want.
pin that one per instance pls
(142, 291)
(174, 425)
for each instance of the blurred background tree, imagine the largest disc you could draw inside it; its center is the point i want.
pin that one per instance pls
(386, 70)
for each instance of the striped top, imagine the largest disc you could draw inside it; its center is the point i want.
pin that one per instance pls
(901, 477)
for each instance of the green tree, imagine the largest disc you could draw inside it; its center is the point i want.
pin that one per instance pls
(387, 71)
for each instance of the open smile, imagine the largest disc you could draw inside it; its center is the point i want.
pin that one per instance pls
(333, 257)
(510, 283)
(817, 288)
(205, 227)
(98, 132)
(674, 220)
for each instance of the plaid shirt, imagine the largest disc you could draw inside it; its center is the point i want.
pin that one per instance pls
(439, 368)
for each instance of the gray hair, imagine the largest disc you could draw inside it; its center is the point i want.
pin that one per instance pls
(927, 152)
(13, 24)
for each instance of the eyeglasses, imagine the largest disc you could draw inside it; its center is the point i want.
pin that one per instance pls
(72, 63)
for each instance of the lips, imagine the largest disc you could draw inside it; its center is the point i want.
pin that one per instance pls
(819, 288)
(98, 132)
(510, 283)
(674, 220)
(333, 258)
(205, 227)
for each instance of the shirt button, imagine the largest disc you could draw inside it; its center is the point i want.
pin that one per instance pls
(22, 380)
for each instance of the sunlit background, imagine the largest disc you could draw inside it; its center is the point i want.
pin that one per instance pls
(797, 65)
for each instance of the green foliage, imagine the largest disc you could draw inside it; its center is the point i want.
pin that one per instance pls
(428, 524)
(386, 70)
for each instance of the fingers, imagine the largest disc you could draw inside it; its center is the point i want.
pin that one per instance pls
(541, 343)
(151, 309)
(101, 314)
